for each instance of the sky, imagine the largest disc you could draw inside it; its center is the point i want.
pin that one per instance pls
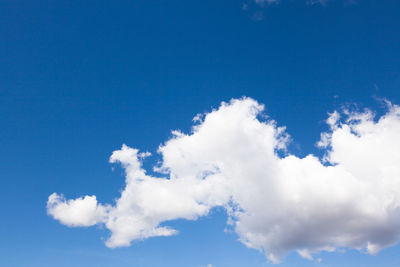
(200, 133)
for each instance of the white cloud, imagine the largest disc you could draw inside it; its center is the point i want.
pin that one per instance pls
(275, 204)
(76, 212)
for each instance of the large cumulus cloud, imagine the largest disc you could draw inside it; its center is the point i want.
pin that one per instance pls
(348, 199)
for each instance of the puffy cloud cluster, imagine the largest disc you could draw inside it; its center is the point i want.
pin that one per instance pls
(349, 199)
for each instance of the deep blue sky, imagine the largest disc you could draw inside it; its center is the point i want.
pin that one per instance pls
(78, 79)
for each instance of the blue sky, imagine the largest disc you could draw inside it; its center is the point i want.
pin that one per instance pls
(79, 79)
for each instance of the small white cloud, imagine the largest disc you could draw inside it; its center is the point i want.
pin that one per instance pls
(76, 212)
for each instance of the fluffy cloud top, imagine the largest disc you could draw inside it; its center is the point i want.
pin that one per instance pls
(349, 199)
